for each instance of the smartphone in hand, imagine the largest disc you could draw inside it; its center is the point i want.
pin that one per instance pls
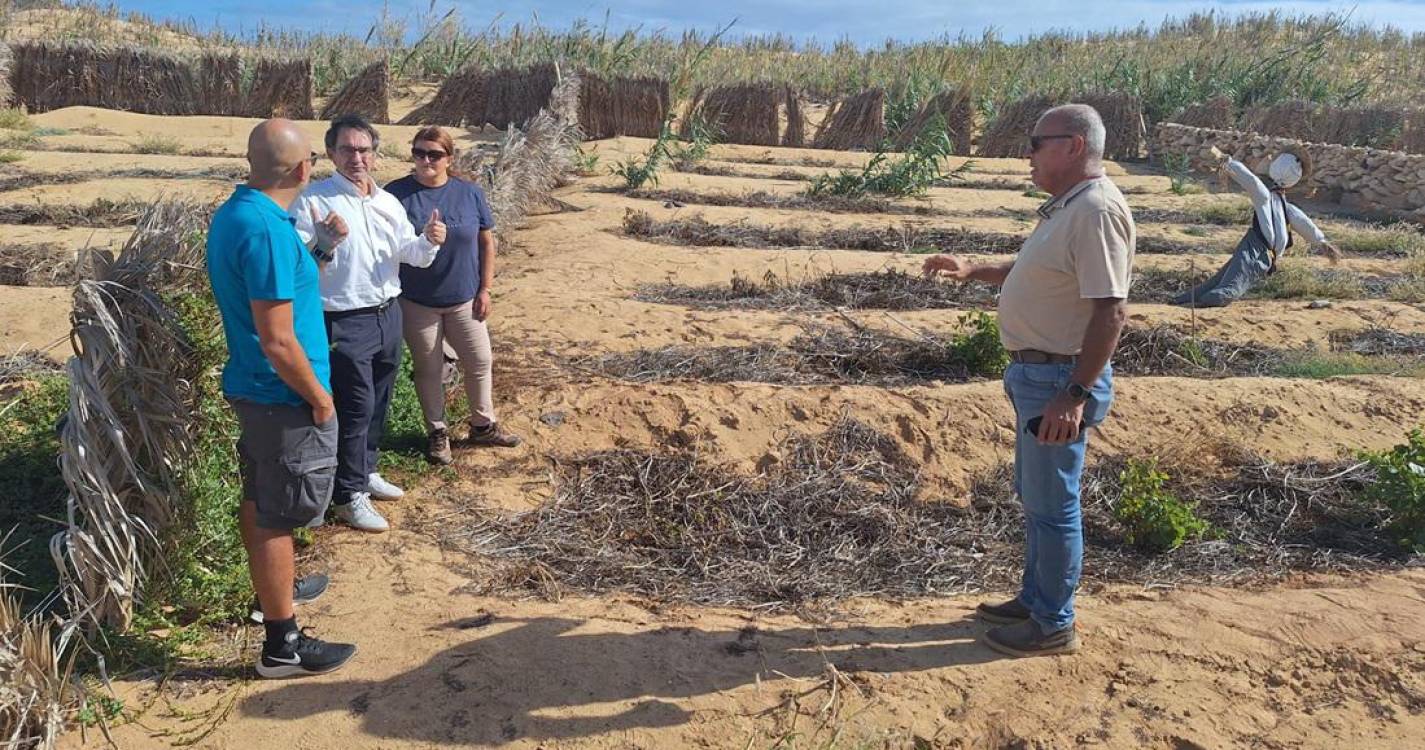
(1032, 428)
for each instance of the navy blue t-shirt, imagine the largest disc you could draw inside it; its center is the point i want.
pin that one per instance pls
(454, 277)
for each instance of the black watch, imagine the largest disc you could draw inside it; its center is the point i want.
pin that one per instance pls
(1078, 393)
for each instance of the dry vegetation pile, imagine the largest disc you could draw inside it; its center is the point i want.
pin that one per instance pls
(837, 515)
(281, 88)
(820, 355)
(698, 231)
(792, 201)
(953, 108)
(747, 113)
(367, 94)
(880, 290)
(24, 365)
(622, 106)
(1379, 341)
(220, 84)
(47, 76)
(101, 213)
(36, 265)
(855, 123)
(1007, 135)
(795, 135)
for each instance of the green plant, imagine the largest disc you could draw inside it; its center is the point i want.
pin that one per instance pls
(913, 173)
(1153, 518)
(1035, 193)
(637, 172)
(157, 144)
(10, 157)
(21, 141)
(1196, 231)
(41, 132)
(1315, 365)
(99, 709)
(29, 481)
(12, 118)
(704, 137)
(979, 348)
(1400, 486)
(1179, 169)
(1300, 281)
(587, 162)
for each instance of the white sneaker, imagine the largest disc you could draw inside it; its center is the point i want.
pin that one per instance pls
(358, 514)
(382, 489)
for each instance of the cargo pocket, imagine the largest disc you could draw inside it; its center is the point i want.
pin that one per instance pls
(310, 480)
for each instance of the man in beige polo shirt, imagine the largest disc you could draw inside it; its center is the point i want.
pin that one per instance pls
(1061, 308)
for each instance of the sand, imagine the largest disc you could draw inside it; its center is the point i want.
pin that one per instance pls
(1315, 661)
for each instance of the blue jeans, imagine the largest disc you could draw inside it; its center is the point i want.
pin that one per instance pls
(1046, 478)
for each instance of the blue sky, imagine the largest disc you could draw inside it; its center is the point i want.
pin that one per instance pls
(866, 22)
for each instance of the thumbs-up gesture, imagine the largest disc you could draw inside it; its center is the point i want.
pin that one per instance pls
(329, 231)
(435, 228)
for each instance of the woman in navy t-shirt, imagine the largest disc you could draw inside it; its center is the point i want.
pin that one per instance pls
(450, 300)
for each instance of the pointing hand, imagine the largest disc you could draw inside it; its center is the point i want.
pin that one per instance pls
(329, 231)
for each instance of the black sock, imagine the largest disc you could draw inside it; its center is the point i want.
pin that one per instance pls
(277, 631)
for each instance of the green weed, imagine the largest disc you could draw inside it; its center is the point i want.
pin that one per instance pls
(12, 118)
(1153, 518)
(1400, 486)
(157, 144)
(30, 481)
(979, 349)
(1300, 281)
(10, 157)
(915, 172)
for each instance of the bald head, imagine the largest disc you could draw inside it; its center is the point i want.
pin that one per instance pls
(274, 149)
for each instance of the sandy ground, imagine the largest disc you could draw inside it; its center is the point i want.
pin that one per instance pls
(1312, 662)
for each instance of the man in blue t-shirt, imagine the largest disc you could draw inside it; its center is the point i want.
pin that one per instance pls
(264, 280)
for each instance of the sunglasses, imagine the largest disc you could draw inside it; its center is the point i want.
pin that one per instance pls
(1037, 141)
(313, 158)
(422, 154)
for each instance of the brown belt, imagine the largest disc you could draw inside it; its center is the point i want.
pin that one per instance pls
(1036, 357)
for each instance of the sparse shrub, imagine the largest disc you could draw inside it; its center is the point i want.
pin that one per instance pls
(1153, 518)
(638, 172)
(157, 144)
(1179, 168)
(586, 163)
(19, 141)
(979, 349)
(913, 173)
(1195, 231)
(42, 132)
(704, 137)
(1400, 486)
(10, 157)
(1401, 239)
(1298, 281)
(12, 118)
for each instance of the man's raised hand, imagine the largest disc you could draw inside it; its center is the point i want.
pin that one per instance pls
(947, 265)
(329, 231)
(435, 228)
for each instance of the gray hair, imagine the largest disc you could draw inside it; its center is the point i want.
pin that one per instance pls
(1080, 119)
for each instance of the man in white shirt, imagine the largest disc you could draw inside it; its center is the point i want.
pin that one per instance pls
(360, 252)
(1268, 237)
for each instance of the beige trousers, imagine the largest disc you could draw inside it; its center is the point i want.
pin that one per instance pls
(425, 328)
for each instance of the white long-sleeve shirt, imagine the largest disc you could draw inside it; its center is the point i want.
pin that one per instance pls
(1274, 213)
(366, 269)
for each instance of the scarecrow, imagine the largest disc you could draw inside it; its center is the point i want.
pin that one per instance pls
(1269, 237)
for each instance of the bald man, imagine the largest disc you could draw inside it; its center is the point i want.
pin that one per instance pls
(277, 379)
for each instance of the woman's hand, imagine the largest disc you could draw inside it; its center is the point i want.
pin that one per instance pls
(481, 306)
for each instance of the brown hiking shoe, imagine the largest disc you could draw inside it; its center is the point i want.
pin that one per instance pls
(1005, 613)
(491, 435)
(438, 448)
(1028, 639)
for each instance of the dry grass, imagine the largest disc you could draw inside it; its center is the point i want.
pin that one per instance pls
(39, 694)
(1379, 341)
(856, 123)
(36, 265)
(127, 429)
(881, 290)
(743, 113)
(907, 238)
(25, 365)
(723, 170)
(793, 201)
(366, 94)
(101, 213)
(838, 515)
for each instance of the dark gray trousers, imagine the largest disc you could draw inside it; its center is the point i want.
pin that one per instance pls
(365, 360)
(1249, 264)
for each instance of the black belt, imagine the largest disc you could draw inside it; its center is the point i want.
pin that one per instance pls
(1036, 357)
(362, 310)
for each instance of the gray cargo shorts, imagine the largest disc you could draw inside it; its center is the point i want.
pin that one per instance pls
(288, 463)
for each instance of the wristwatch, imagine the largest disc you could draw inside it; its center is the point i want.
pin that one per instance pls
(1078, 393)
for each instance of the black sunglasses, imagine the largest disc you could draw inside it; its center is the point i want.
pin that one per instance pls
(313, 158)
(420, 153)
(1035, 141)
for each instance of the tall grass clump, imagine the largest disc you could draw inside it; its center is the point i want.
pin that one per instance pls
(912, 174)
(12, 118)
(157, 144)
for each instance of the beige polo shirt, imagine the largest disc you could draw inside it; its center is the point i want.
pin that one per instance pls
(1081, 250)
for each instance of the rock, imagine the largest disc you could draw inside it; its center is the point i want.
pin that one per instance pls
(1320, 304)
(553, 418)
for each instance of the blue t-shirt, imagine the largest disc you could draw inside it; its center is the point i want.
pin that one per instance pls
(254, 253)
(454, 277)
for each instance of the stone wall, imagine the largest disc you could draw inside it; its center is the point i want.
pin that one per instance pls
(1363, 179)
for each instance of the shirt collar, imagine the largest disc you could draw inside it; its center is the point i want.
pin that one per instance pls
(262, 201)
(1049, 207)
(345, 185)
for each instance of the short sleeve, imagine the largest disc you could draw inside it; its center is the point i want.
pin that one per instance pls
(487, 217)
(1102, 252)
(268, 266)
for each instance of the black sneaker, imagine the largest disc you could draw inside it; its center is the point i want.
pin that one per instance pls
(304, 590)
(301, 655)
(1005, 613)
